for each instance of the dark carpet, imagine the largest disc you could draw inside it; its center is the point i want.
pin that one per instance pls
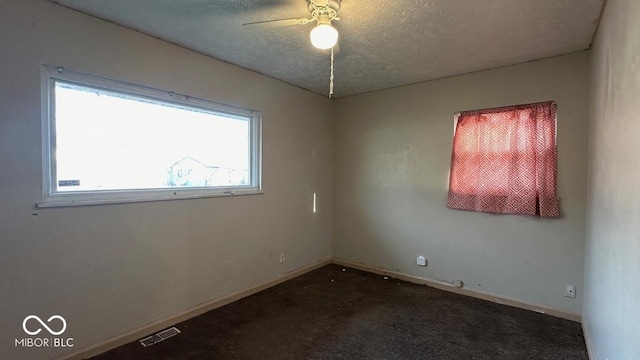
(342, 313)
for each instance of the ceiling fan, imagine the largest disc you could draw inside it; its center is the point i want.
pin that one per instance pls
(323, 36)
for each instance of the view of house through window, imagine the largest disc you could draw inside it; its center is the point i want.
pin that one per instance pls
(109, 141)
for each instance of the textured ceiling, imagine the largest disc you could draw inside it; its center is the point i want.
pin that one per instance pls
(384, 43)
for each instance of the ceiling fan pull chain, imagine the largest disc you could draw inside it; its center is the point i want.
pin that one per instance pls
(331, 77)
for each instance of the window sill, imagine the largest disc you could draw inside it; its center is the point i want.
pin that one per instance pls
(56, 203)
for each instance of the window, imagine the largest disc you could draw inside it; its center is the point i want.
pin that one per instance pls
(504, 161)
(107, 141)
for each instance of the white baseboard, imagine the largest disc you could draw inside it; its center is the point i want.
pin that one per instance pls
(587, 340)
(462, 291)
(156, 326)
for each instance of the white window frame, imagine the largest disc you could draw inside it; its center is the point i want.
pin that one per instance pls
(52, 198)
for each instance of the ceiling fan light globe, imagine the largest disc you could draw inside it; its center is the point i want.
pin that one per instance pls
(324, 36)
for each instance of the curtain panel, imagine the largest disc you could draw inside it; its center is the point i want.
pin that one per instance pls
(504, 161)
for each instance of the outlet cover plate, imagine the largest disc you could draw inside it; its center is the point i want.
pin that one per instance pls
(570, 291)
(421, 261)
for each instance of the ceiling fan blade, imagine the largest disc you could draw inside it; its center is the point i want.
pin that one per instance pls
(277, 23)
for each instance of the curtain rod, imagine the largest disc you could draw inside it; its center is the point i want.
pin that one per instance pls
(507, 106)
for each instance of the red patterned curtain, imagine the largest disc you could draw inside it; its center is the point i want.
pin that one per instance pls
(504, 161)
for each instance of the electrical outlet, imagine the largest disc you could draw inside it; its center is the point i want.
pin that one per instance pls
(421, 261)
(570, 291)
(458, 283)
(282, 258)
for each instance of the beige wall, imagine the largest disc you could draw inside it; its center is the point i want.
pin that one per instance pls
(612, 301)
(392, 151)
(109, 269)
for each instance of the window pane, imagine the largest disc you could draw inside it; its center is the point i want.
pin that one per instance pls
(112, 141)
